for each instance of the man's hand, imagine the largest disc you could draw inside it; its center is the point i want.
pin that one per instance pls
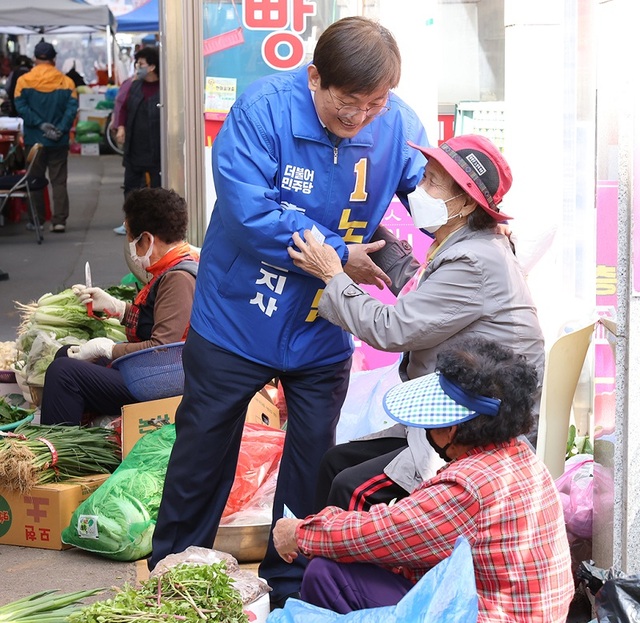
(50, 131)
(284, 538)
(319, 260)
(361, 268)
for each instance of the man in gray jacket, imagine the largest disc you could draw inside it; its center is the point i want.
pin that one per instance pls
(472, 285)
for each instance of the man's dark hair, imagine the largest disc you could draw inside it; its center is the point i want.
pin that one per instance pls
(358, 55)
(487, 368)
(159, 211)
(151, 56)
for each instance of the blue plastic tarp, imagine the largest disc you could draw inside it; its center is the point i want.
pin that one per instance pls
(142, 19)
(447, 593)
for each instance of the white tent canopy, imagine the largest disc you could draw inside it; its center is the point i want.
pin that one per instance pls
(28, 17)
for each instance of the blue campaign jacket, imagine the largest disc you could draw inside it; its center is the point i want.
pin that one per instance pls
(276, 172)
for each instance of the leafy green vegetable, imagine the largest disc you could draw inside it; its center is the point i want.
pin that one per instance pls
(10, 413)
(577, 444)
(53, 321)
(123, 292)
(190, 593)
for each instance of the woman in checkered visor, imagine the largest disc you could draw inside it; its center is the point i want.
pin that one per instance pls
(494, 491)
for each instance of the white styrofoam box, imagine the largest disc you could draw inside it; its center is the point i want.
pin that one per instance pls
(89, 100)
(90, 149)
(11, 123)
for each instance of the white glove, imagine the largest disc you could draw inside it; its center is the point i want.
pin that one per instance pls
(93, 349)
(101, 300)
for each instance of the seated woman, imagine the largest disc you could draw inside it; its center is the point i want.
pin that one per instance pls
(472, 285)
(156, 220)
(494, 491)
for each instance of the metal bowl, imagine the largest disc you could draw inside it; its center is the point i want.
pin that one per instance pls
(244, 543)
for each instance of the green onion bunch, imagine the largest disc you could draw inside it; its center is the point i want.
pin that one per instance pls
(43, 607)
(37, 455)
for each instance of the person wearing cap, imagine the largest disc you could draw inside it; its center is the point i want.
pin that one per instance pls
(494, 491)
(472, 285)
(47, 101)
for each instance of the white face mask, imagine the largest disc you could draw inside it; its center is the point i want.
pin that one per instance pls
(142, 262)
(428, 212)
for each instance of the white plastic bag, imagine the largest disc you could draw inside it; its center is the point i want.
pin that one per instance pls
(362, 412)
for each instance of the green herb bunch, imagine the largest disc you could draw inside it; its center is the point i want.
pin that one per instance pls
(189, 593)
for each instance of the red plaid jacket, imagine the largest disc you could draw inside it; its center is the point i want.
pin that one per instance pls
(502, 499)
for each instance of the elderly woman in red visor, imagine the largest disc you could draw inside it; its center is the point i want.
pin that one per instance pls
(494, 491)
(472, 285)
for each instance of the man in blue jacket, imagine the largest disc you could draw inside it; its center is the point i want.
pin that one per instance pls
(47, 101)
(323, 148)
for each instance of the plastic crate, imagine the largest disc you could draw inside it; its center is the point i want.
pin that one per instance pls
(153, 373)
(7, 376)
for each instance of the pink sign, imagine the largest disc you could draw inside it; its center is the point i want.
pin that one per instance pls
(398, 221)
(287, 20)
(606, 297)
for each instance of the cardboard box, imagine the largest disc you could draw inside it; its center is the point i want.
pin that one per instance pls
(143, 417)
(38, 518)
(90, 149)
(99, 116)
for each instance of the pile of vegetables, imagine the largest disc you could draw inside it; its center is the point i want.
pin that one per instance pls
(189, 593)
(37, 455)
(10, 413)
(54, 321)
(43, 607)
(8, 355)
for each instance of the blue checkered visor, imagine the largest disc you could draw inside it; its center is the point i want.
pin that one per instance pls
(433, 401)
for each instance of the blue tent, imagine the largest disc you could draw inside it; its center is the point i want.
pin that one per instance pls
(142, 19)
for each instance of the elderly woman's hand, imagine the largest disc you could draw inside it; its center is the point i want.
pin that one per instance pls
(361, 268)
(319, 260)
(284, 538)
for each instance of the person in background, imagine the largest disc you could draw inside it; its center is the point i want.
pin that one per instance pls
(473, 285)
(75, 382)
(494, 491)
(47, 101)
(139, 126)
(22, 65)
(323, 147)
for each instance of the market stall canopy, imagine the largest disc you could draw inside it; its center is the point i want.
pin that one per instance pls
(143, 19)
(53, 17)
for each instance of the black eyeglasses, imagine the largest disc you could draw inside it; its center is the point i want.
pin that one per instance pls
(348, 111)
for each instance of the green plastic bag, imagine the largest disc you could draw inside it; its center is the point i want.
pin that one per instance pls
(118, 519)
(89, 137)
(87, 127)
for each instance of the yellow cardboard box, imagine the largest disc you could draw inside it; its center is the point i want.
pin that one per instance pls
(38, 518)
(143, 417)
